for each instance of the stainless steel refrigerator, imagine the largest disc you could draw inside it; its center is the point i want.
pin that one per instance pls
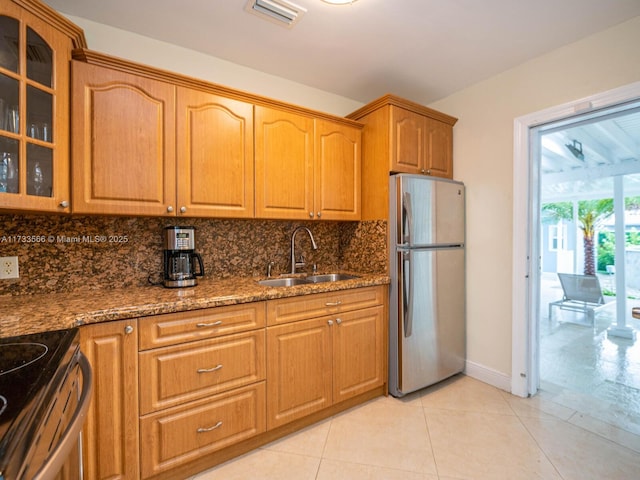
(427, 269)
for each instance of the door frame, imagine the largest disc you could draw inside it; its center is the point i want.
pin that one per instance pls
(526, 264)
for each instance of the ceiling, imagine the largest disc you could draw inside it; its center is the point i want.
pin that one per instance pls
(606, 144)
(422, 50)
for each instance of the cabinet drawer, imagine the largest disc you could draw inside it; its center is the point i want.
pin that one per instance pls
(182, 434)
(181, 373)
(174, 328)
(310, 306)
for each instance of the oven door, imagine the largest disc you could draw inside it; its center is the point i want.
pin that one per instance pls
(57, 453)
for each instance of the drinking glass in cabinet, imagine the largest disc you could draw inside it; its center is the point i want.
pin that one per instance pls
(9, 173)
(39, 114)
(39, 171)
(9, 99)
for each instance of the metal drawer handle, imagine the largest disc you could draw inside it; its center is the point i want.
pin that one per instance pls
(208, 370)
(214, 324)
(333, 304)
(205, 430)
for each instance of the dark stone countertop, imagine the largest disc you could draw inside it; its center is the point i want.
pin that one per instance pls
(26, 314)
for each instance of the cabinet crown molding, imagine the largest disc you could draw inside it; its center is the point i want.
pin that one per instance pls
(390, 99)
(53, 18)
(123, 65)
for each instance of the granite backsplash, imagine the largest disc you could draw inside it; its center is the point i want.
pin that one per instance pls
(69, 253)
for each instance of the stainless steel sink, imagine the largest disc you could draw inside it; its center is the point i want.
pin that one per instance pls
(291, 281)
(329, 277)
(282, 282)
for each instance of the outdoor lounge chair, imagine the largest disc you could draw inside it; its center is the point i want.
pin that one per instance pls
(582, 293)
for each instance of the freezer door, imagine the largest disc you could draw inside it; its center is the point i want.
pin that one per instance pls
(429, 212)
(431, 316)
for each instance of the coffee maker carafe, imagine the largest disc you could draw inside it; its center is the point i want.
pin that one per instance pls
(180, 257)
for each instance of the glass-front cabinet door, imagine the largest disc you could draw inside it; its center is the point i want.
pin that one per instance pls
(34, 112)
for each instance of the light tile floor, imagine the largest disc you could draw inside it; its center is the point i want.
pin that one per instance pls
(459, 429)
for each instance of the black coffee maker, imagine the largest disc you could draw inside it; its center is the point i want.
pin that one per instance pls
(180, 258)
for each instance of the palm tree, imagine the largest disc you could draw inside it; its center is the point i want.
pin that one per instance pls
(591, 213)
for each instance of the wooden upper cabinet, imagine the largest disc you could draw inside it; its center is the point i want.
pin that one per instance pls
(306, 168)
(123, 143)
(337, 171)
(215, 155)
(400, 136)
(35, 50)
(284, 164)
(420, 144)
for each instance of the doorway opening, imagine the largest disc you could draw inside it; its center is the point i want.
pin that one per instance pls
(562, 164)
(589, 259)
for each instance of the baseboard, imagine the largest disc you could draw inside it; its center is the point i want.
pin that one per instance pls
(488, 375)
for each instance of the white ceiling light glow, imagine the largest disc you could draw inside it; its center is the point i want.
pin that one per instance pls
(339, 2)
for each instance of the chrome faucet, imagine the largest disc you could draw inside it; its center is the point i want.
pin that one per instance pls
(301, 263)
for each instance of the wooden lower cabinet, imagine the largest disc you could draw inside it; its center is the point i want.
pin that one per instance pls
(316, 363)
(180, 435)
(110, 434)
(178, 393)
(359, 353)
(299, 370)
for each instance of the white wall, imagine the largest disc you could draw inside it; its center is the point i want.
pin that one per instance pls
(483, 159)
(134, 47)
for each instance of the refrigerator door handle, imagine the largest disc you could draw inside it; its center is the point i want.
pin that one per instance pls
(407, 294)
(407, 219)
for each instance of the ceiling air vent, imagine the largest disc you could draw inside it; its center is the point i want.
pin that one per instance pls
(282, 12)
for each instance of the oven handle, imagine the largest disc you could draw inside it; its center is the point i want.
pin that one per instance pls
(55, 461)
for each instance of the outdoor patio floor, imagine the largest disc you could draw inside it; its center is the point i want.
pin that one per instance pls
(584, 368)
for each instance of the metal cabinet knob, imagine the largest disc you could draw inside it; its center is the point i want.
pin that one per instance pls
(330, 322)
(128, 329)
(183, 209)
(319, 214)
(170, 209)
(310, 214)
(338, 321)
(64, 204)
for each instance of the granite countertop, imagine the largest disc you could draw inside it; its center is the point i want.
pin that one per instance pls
(25, 314)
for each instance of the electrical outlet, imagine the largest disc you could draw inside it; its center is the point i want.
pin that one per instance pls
(9, 268)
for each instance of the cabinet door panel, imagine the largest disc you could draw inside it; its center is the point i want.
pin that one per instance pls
(337, 171)
(285, 310)
(215, 155)
(284, 164)
(110, 433)
(123, 143)
(186, 372)
(408, 135)
(440, 149)
(181, 327)
(182, 434)
(298, 369)
(358, 351)
(34, 123)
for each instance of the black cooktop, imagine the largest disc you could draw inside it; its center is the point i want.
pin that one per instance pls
(28, 365)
